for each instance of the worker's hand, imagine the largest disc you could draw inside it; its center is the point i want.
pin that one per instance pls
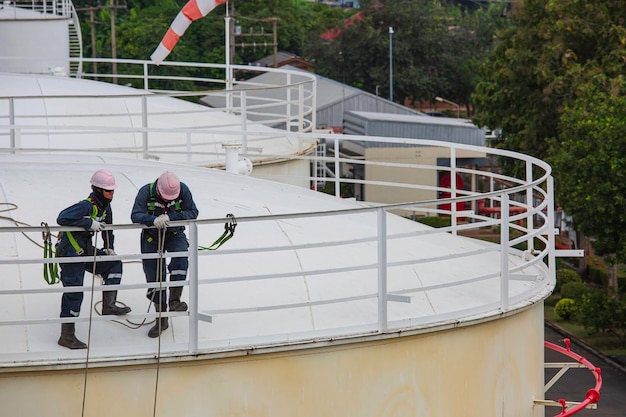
(96, 226)
(162, 221)
(109, 251)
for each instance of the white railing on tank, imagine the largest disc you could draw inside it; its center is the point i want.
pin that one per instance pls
(538, 215)
(291, 104)
(56, 7)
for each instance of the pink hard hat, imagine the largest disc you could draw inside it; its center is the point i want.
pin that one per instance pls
(168, 185)
(103, 179)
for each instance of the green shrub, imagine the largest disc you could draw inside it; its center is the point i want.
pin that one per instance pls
(574, 290)
(563, 276)
(565, 308)
(596, 311)
(434, 221)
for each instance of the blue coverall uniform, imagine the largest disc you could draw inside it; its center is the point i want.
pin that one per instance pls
(148, 206)
(81, 214)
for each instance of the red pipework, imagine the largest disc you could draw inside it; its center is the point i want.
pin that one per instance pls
(593, 395)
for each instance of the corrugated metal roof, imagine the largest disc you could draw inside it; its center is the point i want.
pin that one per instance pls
(413, 127)
(333, 98)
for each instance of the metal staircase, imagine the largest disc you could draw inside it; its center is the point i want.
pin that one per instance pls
(76, 45)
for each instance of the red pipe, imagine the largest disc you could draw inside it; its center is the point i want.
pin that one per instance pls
(593, 394)
(490, 210)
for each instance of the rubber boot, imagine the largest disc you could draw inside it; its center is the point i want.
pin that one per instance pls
(161, 323)
(174, 302)
(68, 337)
(109, 308)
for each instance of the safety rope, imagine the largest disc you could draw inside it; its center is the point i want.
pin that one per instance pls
(160, 260)
(93, 279)
(229, 231)
(13, 206)
(50, 270)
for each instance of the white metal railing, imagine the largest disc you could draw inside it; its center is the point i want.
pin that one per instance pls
(290, 104)
(535, 233)
(57, 7)
(529, 198)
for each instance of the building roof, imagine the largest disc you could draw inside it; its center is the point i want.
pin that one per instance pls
(282, 59)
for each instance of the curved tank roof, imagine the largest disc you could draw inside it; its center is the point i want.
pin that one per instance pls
(83, 114)
(35, 188)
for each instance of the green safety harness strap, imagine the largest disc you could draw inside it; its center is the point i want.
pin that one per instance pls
(229, 231)
(70, 236)
(50, 270)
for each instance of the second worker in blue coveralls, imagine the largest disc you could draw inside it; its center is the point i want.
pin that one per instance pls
(91, 214)
(167, 199)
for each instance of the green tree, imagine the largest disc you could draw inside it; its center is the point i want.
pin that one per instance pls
(554, 85)
(436, 49)
(589, 160)
(531, 74)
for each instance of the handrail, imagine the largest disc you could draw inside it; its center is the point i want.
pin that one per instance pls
(592, 396)
(381, 237)
(530, 198)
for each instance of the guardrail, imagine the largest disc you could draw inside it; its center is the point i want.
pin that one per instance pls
(527, 236)
(522, 206)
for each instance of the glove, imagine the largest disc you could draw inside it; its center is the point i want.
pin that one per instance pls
(162, 221)
(96, 226)
(109, 251)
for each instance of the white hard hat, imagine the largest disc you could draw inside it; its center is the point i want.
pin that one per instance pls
(103, 179)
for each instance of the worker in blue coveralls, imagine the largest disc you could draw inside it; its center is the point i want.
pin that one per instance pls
(167, 199)
(92, 214)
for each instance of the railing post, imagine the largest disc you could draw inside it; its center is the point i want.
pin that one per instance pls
(288, 109)
(313, 105)
(300, 109)
(550, 229)
(144, 125)
(337, 169)
(529, 203)
(12, 123)
(193, 288)
(146, 85)
(453, 193)
(244, 122)
(504, 252)
(382, 269)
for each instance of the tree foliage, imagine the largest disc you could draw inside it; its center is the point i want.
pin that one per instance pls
(534, 70)
(555, 87)
(436, 49)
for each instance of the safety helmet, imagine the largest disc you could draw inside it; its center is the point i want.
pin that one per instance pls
(103, 179)
(168, 185)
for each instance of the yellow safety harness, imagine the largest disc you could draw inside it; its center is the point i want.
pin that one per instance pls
(50, 270)
(70, 236)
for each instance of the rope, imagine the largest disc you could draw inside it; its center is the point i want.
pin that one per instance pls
(160, 260)
(17, 222)
(93, 278)
(229, 231)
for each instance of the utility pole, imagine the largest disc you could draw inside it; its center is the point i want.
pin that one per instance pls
(237, 32)
(94, 54)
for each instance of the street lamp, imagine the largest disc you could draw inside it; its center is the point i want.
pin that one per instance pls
(390, 63)
(458, 108)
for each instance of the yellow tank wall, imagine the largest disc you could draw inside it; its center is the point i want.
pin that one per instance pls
(492, 369)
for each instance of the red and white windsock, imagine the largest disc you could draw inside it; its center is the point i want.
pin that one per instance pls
(193, 10)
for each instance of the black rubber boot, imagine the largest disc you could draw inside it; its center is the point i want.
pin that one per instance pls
(68, 337)
(161, 323)
(109, 308)
(174, 302)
